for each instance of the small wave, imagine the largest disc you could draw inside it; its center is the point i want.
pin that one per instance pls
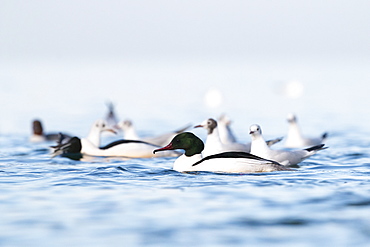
(277, 222)
(360, 203)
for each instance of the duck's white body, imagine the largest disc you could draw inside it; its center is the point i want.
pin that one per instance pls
(295, 138)
(121, 148)
(128, 149)
(284, 157)
(224, 165)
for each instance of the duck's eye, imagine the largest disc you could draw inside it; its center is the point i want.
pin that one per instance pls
(103, 125)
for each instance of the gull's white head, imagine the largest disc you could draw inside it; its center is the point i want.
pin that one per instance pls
(125, 125)
(100, 126)
(291, 118)
(255, 130)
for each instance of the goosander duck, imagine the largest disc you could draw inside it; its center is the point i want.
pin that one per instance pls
(227, 162)
(38, 134)
(160, 140)
(121, 148)
(214, 144)
(295, 138)
(284, 157)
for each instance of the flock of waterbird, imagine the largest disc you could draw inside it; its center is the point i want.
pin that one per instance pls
(220, 153)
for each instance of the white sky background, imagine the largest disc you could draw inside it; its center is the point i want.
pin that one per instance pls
(64, 59)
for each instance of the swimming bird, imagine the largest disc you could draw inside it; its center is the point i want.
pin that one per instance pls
(129, 133)
(38, 134)
(284, 157)
(224, 129)
(214, 144)
(98, 127)
(227, 162)
(111, 117)
(295, 138)
(121, 148)
(70, 148)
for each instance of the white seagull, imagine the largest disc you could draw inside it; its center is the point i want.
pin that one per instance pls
(224, 129)
(295, 138)
(98, 127)
(214, 144)
(227, 162)
(129, 133)
(111, 117)
(284, 157)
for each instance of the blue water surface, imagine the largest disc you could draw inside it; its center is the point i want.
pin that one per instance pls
(48, 201)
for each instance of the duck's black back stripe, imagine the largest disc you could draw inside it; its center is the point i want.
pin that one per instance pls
(233, 155)
(115, 143)
(317, 147)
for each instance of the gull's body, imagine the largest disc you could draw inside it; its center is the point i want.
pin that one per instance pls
(284, 157)
(129, 133)
(226, 134)
(214, 145)
(111, 118)
(98, 127)
(295, 138)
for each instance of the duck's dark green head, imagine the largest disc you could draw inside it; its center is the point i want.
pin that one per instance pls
(186, 141)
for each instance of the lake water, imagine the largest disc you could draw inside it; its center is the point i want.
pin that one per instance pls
(142, 202)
